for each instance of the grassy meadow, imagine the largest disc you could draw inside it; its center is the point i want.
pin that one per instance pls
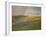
(26, 23)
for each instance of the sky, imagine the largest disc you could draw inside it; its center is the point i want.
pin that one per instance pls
(25, 10)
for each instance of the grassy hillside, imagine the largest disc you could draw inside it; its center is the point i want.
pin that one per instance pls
(35, 23)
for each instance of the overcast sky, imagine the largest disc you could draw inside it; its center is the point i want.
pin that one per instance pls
(23, 10)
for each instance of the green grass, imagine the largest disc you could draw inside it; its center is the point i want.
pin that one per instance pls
(36, 23)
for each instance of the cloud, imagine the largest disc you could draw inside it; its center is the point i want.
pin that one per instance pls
(24, 10)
